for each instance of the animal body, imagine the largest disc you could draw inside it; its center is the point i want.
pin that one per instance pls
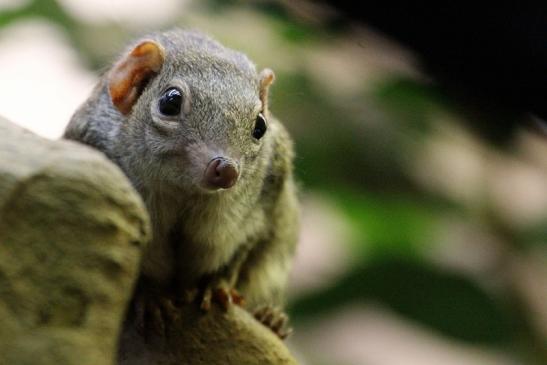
(188, 121)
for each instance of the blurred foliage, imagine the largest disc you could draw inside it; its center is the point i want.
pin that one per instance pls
(329, 151)
(410, 102)
(356, 149)
(447, 302)
(47, 9)
(388, 225)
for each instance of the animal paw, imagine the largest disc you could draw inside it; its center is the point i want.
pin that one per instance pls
(153, 315)
(221, 295)
(275, 319)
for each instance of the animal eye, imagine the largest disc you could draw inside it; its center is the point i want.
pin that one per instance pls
(170, 102)
(260, 126)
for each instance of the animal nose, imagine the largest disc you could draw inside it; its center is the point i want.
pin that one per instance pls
(220, 173)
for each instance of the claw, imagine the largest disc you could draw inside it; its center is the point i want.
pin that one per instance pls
(237, 298)
(206, 300)
(157, 324)
(189, 295)
(140, 314)
(279, 322)
(153, 314)
(220, 295)
(286, 333)
(275, 320)
(223, 297)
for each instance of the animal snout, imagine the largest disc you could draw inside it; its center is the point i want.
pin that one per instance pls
(221, 173)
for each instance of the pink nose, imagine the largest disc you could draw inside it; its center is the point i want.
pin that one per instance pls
(220, 174)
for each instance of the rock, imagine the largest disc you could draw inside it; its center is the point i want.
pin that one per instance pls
(72, 230)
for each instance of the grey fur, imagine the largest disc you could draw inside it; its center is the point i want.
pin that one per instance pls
(199, 233)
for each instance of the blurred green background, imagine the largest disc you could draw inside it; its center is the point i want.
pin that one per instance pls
(421, 244)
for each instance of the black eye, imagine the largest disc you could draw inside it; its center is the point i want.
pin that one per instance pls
(170, 102)
(260, 126)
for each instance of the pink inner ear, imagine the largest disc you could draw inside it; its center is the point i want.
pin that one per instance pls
(130, 74)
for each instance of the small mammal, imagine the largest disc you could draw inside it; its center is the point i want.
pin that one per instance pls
(188, 122)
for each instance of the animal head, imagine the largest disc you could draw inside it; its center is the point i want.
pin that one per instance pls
(194, 112)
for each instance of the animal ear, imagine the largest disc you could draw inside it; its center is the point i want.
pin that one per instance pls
(267, 78)
(130, 75)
